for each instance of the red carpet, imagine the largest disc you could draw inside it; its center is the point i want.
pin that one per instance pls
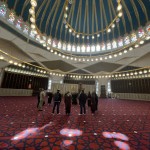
(118, 124)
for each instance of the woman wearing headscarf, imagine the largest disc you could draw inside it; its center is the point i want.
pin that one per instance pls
(67, 100)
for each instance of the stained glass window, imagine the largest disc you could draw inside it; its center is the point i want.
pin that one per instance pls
(19, 23)
(140, 32)
(98, 48)
(108, 46)
(103, 47)
(133, 37)
(69, 47)
(93, 48)
(11, 18)
(32, 34)
(148, 29)
(83, 48)
(114, 44)
(73, 48)
(59, 45)
(64, 47)
(78, 48)
(127, 40)
(3, 10)
(88, 48)
(26, 29)
(120, 42)
(49, 41)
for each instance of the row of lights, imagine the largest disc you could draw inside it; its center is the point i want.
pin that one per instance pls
(44, 73)
(24, 72)
(99, 58)
(88, 36)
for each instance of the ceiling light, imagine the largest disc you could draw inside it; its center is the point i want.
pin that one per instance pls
(33, 26)
(70, 30)
(141, 42)
(66, 26)
(125, 51)
(32, 19)
(120, 14)
(101, 58)
(1, 57)
(136, 46)
(98, 35)
(92, 37)
(113, 25)
(44, 44)
(147, 38)
(105, 57)
(87, 37)
(15, 63)
(10, 61)
(109, 30)
(66, 8)
(52, 51)
(77, 36)
(31, 11)
(119, 7)
(33, 3)
(115, 55)
(65, 15)
(110, 56)
(120, 53)
(83, 37)
(130, 49)
(48, 48)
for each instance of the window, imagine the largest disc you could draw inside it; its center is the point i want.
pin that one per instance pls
(97, 87)
(11, 18)
(49, 84)
(3, 10)
(109, 87)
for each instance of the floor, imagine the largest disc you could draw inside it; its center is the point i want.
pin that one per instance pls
(117, 125)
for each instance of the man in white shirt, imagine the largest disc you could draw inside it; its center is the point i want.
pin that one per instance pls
(42, 98)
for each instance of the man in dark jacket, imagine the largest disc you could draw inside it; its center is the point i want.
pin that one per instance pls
(57, 100)
(82, 101)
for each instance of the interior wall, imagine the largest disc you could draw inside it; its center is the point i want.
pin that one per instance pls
(21, 81)
(131, 86)
(73, 88)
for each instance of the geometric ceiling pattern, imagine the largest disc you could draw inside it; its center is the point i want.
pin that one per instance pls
(86, 16)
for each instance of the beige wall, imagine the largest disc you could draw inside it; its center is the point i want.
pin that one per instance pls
(131, 96)
(71, 88)
(15, 92)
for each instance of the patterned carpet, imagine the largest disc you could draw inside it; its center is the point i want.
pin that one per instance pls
(118, 125)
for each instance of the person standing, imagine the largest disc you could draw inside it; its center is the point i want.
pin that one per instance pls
(57, 100)
(42, 99)
(67, 101)
(96, 101)
(93, 102)
(38, 97)
(89, 99)
(82, 101)
(50, 96)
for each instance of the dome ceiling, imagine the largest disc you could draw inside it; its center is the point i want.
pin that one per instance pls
(86, 16)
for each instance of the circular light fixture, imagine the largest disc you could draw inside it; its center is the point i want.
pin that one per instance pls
(119, 7)
(120, 14)
(141, 42)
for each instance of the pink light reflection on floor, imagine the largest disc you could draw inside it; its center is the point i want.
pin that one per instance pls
(70, 132)
(25, 133)
(122, 145)
(67, 142)
(30, 131)
(115, 135)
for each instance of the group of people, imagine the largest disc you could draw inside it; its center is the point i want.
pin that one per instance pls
(57, 97)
